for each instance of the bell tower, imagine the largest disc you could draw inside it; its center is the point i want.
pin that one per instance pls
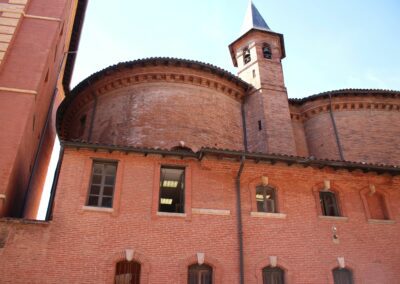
(258, 53)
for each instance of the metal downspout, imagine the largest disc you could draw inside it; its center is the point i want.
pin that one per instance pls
(49, 213)
(239, 219)
(335, 129)
(238, 198)
(42, 136)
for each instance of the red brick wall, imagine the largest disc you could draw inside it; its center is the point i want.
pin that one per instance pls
(89, 243)
(159, 113)
(365, 126)
(32, 63)
(272, 108)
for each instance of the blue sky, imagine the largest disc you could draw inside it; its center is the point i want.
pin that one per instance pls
(329, 44)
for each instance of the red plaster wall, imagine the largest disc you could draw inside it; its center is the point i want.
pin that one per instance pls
(89, 243)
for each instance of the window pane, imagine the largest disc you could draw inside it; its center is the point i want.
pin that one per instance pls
(342, 276)
(265, 197)
(127, 272)
(97, 168)
(200, 274)
(110, 169)
(93, 201)
(108, 191)
(109, 180)
(273, 275)
(95, 189)
(106, 202)
(172, 190)
(96, 179)
(102, 184)
(329, 205)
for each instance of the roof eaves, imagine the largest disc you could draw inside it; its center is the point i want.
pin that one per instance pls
(272, 158)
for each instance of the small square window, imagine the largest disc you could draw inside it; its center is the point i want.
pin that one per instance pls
(172, 190)
(102, 184)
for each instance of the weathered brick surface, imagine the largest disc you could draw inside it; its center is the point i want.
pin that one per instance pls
(365, 124)
(90, 243)
(168, 105)
(32, 63)
(272, 108)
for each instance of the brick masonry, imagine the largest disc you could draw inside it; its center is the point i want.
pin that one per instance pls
(158, 104)
(166, 245)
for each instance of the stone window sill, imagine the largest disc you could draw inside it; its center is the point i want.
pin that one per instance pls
(333, 218)
(169, 214)
(203, 211)
(268, 215)
(98, 209)
(379, 221)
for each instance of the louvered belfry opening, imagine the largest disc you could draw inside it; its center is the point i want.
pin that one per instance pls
(200, 274)
(127, 272)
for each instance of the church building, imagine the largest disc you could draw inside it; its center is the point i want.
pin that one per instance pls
(177, 171)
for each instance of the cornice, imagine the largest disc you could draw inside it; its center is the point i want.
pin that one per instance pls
(324, 107)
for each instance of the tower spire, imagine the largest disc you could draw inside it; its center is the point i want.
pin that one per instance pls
(253, 20)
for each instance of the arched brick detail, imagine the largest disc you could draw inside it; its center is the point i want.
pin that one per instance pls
(138, 257)
(280, 263)
(339, 197)
(279, 193)
(385, 199)
(209, 260)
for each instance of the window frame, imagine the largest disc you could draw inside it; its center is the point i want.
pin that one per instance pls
(188, 190)
(131, 264)
(273, 269)
(274, 200)
(343, 269)
(339, 199)
(325, 208)
(182, 208)
(197, 268)
(101, 195)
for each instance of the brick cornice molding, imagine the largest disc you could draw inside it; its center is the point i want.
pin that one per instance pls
(313, 110)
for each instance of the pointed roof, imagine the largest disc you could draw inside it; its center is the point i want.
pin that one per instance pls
(253, 20)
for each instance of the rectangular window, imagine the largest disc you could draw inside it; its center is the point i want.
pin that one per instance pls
(102, 184)
(172, 190)
(266, 199)
(329, 204)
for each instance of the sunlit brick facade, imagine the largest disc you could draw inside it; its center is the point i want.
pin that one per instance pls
(176, 171)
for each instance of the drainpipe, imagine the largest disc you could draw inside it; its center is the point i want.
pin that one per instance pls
(239, 219)
(238, 198)
(38, 152)
(49, 214)
(42, 136)
(335, 129)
